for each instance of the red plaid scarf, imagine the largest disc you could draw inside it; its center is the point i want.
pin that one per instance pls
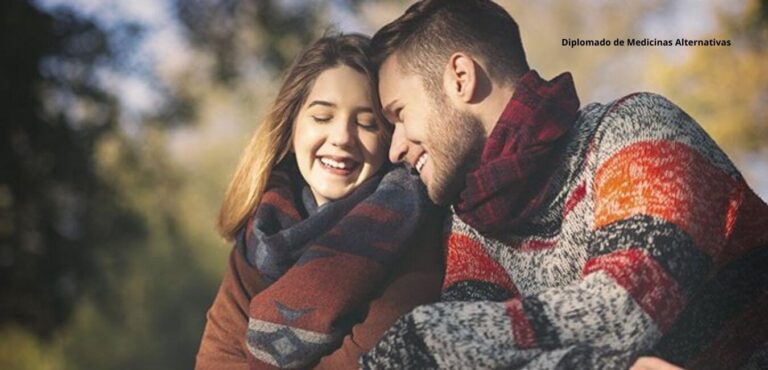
(517, 159)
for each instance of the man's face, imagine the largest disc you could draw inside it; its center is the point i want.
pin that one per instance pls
(441, 142)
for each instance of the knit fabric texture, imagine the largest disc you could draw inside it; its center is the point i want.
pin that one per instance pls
(643, 238)
(323, 263)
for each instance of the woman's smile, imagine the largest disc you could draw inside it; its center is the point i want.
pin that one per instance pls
(340, 166)
(337, 140)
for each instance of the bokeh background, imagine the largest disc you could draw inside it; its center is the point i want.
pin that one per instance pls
(122, 121)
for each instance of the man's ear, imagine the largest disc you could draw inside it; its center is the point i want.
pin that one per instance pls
(460, 78)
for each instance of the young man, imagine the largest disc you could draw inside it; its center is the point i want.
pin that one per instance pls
(578, 238)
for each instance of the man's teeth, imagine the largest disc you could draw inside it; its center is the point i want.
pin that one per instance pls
(335, 164)
(421, 162)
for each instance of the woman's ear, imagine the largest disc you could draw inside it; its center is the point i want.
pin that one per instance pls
(460, 78)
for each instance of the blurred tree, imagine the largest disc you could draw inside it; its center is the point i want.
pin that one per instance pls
(56, 215)
(726, 88)
(155, 308)
(240, 32)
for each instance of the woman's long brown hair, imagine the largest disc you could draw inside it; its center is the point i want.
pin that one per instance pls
(271, 141)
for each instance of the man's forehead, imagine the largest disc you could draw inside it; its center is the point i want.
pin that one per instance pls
(391, 69)
(392, 75)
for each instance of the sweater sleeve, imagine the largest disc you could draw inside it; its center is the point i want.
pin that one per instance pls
(416, 280)
(222, 345)
(666, 203)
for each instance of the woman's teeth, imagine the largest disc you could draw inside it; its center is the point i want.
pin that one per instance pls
(341, 165)
(421, 162)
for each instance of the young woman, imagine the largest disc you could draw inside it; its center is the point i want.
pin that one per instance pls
(332, 243)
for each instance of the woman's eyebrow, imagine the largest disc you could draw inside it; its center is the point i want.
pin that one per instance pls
(321, 102)
(365, 109)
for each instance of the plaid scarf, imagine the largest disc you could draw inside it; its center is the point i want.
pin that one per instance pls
(323, 263)
(519, 155)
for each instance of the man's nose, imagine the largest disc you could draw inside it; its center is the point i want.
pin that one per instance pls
(399, 147)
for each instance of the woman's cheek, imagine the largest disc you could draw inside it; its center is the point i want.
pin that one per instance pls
(307, 139)
(375, 149)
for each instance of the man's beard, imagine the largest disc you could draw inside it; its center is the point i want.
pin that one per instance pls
(456, 141)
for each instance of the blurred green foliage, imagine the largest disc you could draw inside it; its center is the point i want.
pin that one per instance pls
(108, 255)
(58, 217)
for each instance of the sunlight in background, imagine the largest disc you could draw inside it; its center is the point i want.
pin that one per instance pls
(188, 82)
(160, 51)
(162, 56)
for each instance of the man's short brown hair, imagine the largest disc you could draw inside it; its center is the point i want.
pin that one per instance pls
(430, 31)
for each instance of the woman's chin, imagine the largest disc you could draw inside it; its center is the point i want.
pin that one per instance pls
(330, 193)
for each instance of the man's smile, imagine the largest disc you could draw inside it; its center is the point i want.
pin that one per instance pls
(421, 161)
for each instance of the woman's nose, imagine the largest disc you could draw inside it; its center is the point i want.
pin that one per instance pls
(342, 134)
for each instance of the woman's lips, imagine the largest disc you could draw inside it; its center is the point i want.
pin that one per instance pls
(338, 165)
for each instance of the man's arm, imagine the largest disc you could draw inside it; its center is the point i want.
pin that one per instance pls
(416, 281)
(665, 206)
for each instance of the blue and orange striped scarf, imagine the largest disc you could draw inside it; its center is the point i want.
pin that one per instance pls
(323, 264)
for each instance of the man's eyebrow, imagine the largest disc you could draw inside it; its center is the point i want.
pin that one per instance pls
(388, 107)
(322, 102)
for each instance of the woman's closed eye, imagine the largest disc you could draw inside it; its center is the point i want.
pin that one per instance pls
(367, 121)
(319, 118)
(369, 125)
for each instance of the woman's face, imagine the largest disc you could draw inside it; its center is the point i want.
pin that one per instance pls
(336, 138)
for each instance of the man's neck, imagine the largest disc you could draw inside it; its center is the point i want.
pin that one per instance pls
(494, 105)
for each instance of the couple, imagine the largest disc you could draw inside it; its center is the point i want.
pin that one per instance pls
(573, 238)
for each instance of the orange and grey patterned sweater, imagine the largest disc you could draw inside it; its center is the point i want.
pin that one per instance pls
(646, 240)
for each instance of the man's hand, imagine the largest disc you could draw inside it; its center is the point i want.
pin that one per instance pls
(653, 363)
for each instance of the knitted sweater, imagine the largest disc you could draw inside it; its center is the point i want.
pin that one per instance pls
(646, 240)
